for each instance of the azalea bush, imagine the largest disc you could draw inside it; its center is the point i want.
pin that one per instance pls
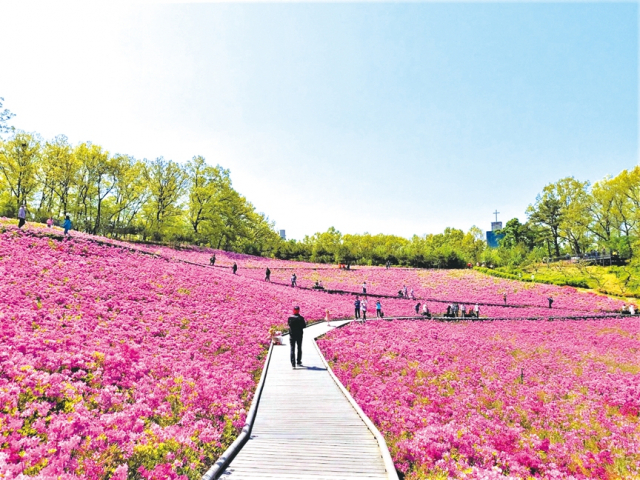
(498, 399)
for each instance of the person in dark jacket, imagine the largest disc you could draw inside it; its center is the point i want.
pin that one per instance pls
(356, 304)
(234, 268)
(212, 260)
(550, 299)
(267, 275)
(296, 326)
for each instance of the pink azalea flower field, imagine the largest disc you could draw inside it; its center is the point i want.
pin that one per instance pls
(498, 399)
(119, 364)
(112, 361)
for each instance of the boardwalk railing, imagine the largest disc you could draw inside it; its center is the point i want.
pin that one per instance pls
(230, 453)
(492, 319)
(389, 466)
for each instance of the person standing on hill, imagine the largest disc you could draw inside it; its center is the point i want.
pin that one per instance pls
(364, 310)
(22, 215)
(356, 304)
(364, 288)
(550, 301)
(464, 310)
(267, 275)
(294, 280)
(234, 269)
(212, 260)
(404, 291)
(50, 222)
(296, 326)
(67, 225)
(476, 311)
(504, 297)
(417, 308)
(378, 309)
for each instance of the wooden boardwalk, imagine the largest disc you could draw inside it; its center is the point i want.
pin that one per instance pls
(306, 428)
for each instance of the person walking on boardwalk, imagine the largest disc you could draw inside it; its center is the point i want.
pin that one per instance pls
(417, 308)
(464, 310)
(212, 260)
(413, 297)
(504, 297)
(22, 215)
(294, 280)
(404, 291)
(364, 310)
(476, 311)
(356, 304)
(550, 301)
(267, 275)
(327, 317)
(296, 326)
(67, 225)
(378, 309)
(234, 268)
(364, 288)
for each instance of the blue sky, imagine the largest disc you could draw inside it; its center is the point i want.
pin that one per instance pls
(382, 117)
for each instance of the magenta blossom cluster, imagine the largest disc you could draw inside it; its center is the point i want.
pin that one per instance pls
(499, 399)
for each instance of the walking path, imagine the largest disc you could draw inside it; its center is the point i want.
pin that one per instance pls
(305, 427)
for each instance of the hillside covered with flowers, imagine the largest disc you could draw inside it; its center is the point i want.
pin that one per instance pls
(499, 399)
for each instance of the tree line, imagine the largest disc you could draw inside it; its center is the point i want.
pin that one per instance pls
(120, 196)
(572, 217)
(165, 201)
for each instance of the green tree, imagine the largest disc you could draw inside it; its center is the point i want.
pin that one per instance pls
(5, 116)
(19, 165)
(166, 181)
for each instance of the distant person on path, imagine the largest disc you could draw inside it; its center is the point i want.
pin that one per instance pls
(364, 310)
(550, 301)
(212, 260)
(67, 225)
(464, 310)
(296, 326)
(404, 291)
(425, 311)
(378, 309)
(234, 269)
(632, 309)
(356, 304)
(476, 311)
(417, 308)
(267, 275)
(400, 294)
(388, 264)
(22, 215)
(364, 288)
(504, 297)
(327, 317)
(413, 297)
(294, 280)
(50, 222)
(449, 311)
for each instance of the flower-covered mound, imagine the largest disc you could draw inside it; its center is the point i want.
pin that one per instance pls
(116, 364)
(499, 399)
